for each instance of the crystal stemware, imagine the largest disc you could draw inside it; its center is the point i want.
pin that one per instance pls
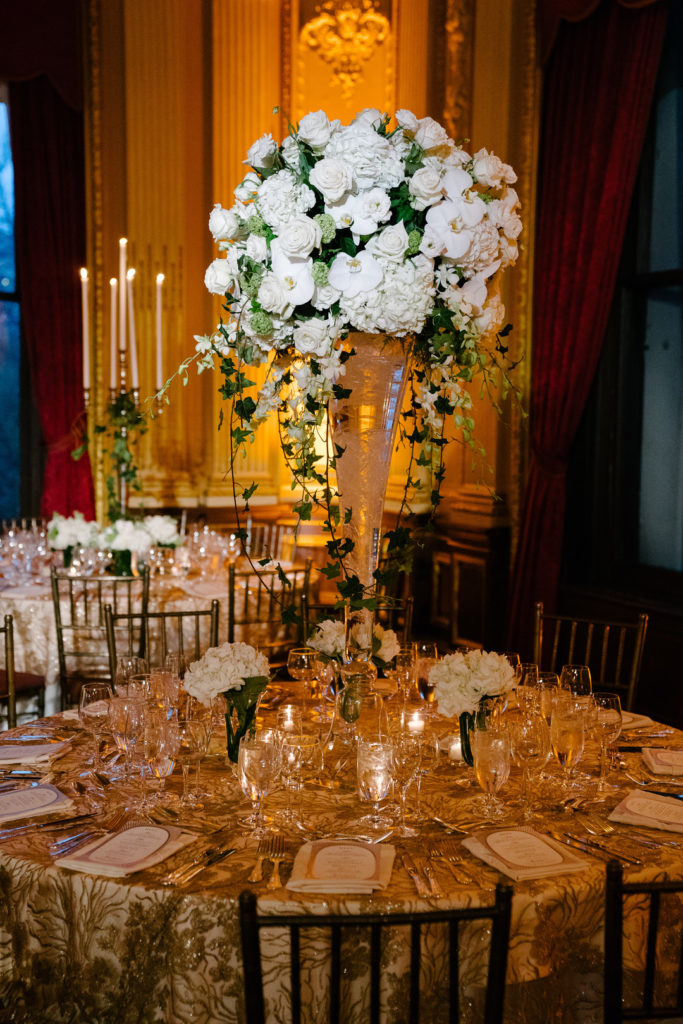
(607, 723)
(374, 767)
(425, 656)
(93, 712)
(530, 750)
(491, 754)
(162, 744)
(302, 665)
(407, 750)
(258, 769)
(567, 737)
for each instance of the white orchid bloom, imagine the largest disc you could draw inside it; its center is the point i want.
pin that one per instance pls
(295, 276)
(354, 274)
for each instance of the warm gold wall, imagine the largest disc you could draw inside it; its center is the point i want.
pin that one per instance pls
(178, 91)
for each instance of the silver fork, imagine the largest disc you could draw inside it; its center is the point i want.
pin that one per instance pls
(450, 850)
(256, 874)
(597, 827)
(276, 853)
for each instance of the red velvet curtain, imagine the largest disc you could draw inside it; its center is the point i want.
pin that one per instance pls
(48, 154)
(598, 89)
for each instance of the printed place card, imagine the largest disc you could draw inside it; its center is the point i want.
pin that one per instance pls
(131, 849)
(523, 853)
(662, 761)
(631, 721)
(649, 810)
(32, 801)
(341, 867)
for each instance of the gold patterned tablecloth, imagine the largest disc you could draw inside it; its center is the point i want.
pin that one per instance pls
(79, 948)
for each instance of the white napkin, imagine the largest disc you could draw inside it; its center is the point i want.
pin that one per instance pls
(631, 721)
(327, 866)
(650, 810)
(131, 849)
(663, 762)
(207, 588)
(524, 853)
(31, 753)
(31, 801)
(27, 590)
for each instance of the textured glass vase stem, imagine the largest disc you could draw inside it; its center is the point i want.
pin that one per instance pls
(364, 425)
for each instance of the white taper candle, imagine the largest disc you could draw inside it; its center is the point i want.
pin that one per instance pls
(86, 329)
(123, 256)
(134, 379)
(113, 284)
(160, 373)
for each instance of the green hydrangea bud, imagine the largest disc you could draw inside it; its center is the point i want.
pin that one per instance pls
(327, 226)
(414, 239)
(261, 323)
(257, 225)
(320, 273)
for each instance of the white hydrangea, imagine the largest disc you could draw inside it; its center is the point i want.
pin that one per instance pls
(329, 637)
(461, 681)
(73, 531)
(224, 668)
(163, 530)
(281, 197)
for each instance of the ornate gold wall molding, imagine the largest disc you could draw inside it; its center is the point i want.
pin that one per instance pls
(457, 101)
(346, 35)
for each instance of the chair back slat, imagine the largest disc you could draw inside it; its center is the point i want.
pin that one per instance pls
(252, 923)
(261, 604)
(7, 631)
(650, 1003)
(612, 650)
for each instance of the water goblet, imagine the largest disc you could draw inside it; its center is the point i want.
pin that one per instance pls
(607, 722)
(374, 768)
(162, 744)
(302, 665)
(93, 712)
(491, 754)
(576, 679)
(258, 769)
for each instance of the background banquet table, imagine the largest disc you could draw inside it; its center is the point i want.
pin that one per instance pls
(77, 947)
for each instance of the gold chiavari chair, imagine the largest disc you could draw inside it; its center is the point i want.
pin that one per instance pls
(264, 608)
(152, 635)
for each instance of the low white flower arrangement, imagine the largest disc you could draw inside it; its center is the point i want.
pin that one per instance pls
(462, 681)
(65, 532)
(329, 638)
(240, 673)
(136, 535)
(163, 531)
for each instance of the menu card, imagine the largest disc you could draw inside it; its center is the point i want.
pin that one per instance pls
(649, 810)
(524, 853)
(662, 761)
(32, 801)
(327, 866)
(131, 849)
(31, 753)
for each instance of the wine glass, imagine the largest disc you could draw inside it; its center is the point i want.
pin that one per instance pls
(162, 744)
(576, 679)
(530, 749)
(548, 686)
(425, 656)
(527, 686)
(374, 767)
(93, 712)
(401, 669)
(491, 754)
(302, 665)
(125, 720)
(258, 769)
(567, 737)
(191, 748)
(125, 668)
(608, 724)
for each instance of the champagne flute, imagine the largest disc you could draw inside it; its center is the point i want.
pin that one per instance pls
(491, 754)
(407, 749)
(608, 723)
(192, 743)
(374, 766)
(567, 737)
(258, 768)
(93, 713)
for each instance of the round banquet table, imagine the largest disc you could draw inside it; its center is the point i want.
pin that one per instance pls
(78, 947)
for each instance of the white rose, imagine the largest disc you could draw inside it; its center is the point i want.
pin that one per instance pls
(407, 120)
(290, 153)
(333, 178)
(219, 278)
(370, 116)
(391, 243)
(223, 223)
(273, 297)
(323, 296)
(299, 236)
(430, 134)
(262, 153)
(369, 210)
(311, 337)
(248, 188)
(315, 130)
(425, 187)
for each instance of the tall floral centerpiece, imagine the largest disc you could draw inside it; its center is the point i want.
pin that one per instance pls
(464, 684)
(238, 672)
(357, 261)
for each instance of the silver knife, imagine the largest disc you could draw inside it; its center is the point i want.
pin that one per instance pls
(418, 881)
(215, 858)
(595, 844)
